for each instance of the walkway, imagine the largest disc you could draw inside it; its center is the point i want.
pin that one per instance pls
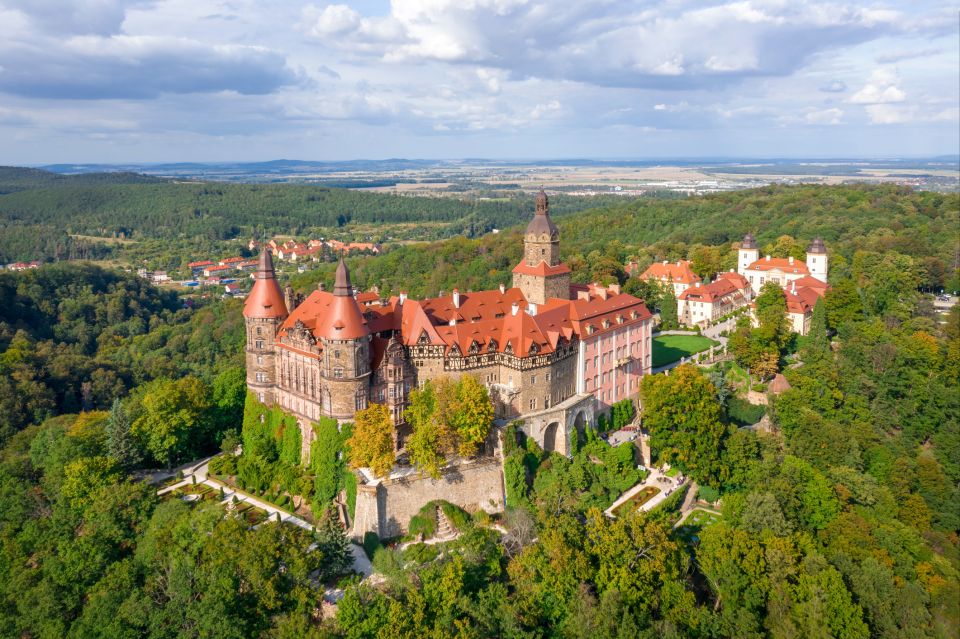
(361, 564)
(656, 479)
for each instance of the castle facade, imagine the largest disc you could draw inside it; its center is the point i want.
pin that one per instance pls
(549, 352)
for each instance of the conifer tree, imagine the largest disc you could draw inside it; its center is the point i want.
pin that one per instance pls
(668, 309)
(120, 443)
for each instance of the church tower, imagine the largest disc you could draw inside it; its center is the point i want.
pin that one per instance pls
(263, 313)
(540, 275)
(818, 263)
(345, 363)
(748, 254)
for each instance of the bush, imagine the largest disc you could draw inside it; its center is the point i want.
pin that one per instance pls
(708, 494)
(460, 518)
(371, 543)
(515, 478)
(482, 518)
(743, 412)
(421, 553)
(423, 524)
(350, 488)
(387, 561)
(224, 465)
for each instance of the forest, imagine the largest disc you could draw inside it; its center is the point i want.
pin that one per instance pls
(42, 214)
(839, 520)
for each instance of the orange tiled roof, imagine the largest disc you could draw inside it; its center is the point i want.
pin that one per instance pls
(677, 272)
(541, 269)
(781, 263)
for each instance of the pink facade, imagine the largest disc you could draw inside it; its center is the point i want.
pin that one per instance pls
(614, 360)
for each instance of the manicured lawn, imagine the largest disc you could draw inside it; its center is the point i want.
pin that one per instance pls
(671, 348)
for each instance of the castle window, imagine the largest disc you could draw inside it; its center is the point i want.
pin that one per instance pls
(533, 404)
(546, 402)
(360, 401)
(258, 344)
(259, 359)
(338, 373)
(336, 354)
(533, 379)
(259, 331)
(548, 377)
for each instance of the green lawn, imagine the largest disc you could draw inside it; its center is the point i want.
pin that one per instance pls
(670, 348)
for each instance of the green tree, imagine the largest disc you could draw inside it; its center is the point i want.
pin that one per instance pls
(683, 416)
(327, 461)
(121, 445)
(371, 444)
(472, 416)
(174, 418)
(668, 310)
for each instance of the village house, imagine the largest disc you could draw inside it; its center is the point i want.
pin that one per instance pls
(677, 274)
(702, 304)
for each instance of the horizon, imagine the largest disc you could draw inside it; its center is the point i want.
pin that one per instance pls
(140, 81)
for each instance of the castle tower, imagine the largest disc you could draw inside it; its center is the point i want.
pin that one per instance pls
(345, 365)
(748, 254)
(818, 262)
(263, 313)
(540, 275)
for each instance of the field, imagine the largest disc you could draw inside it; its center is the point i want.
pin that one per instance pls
(671, 348)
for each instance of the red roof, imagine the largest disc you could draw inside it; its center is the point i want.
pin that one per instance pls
(265, 300)
(802, 299)
(232, 260)
(710, 292)
(541, 269)
(784, 264)
(677, 272)
(735, 278)
(201, 263)
(216, 269)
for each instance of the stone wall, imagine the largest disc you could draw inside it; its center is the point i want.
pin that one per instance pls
(386, 506)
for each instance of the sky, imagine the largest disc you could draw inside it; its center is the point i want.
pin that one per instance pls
(250, 80)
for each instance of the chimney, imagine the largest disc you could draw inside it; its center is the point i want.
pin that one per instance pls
(697, 284)
(615, 289)
(794, 287)
(321, 286)
(456, 298)
(453, 321)
(790, 260)
(514, 308)
(665, 262)
(531, 308)
(503, 289)
(678, 262)
(441, 293)
(731, 270)
(768, 258)
(403, 297)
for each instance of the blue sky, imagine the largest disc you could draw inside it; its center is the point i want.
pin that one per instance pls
(211, 80)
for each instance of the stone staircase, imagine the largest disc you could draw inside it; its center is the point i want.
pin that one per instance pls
(445, 529)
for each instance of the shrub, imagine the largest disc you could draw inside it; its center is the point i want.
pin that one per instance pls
(708, 494)
(515, 476)
(422, 553)
(743, 412)
(371, 543)
(460, 518)
(350, 488)
(482, 518)
(423, 524)
(387, 561)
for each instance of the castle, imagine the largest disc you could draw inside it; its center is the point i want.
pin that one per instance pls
(551, 354)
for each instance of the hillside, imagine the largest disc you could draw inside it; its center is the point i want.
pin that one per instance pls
(596, 243)
(40, 210)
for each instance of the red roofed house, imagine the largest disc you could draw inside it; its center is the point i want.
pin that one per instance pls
(550, 354)
(679, 274)
(217, 270)
(803, 283)
(702, 304)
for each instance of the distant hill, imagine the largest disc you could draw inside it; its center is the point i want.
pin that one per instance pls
(15, 178)
(41, 210)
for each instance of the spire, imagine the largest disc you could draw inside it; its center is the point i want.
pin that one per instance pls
(817, 246)
(748, 242)
(341, 281)
(265, 300)
(541, 224)
(543, 204)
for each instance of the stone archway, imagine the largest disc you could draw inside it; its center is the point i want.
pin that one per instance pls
(550, 436)
(580, 423)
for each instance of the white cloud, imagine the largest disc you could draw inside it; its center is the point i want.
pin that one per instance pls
(824, 116)
(889, 114)
(881, 88)
(834, 86)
